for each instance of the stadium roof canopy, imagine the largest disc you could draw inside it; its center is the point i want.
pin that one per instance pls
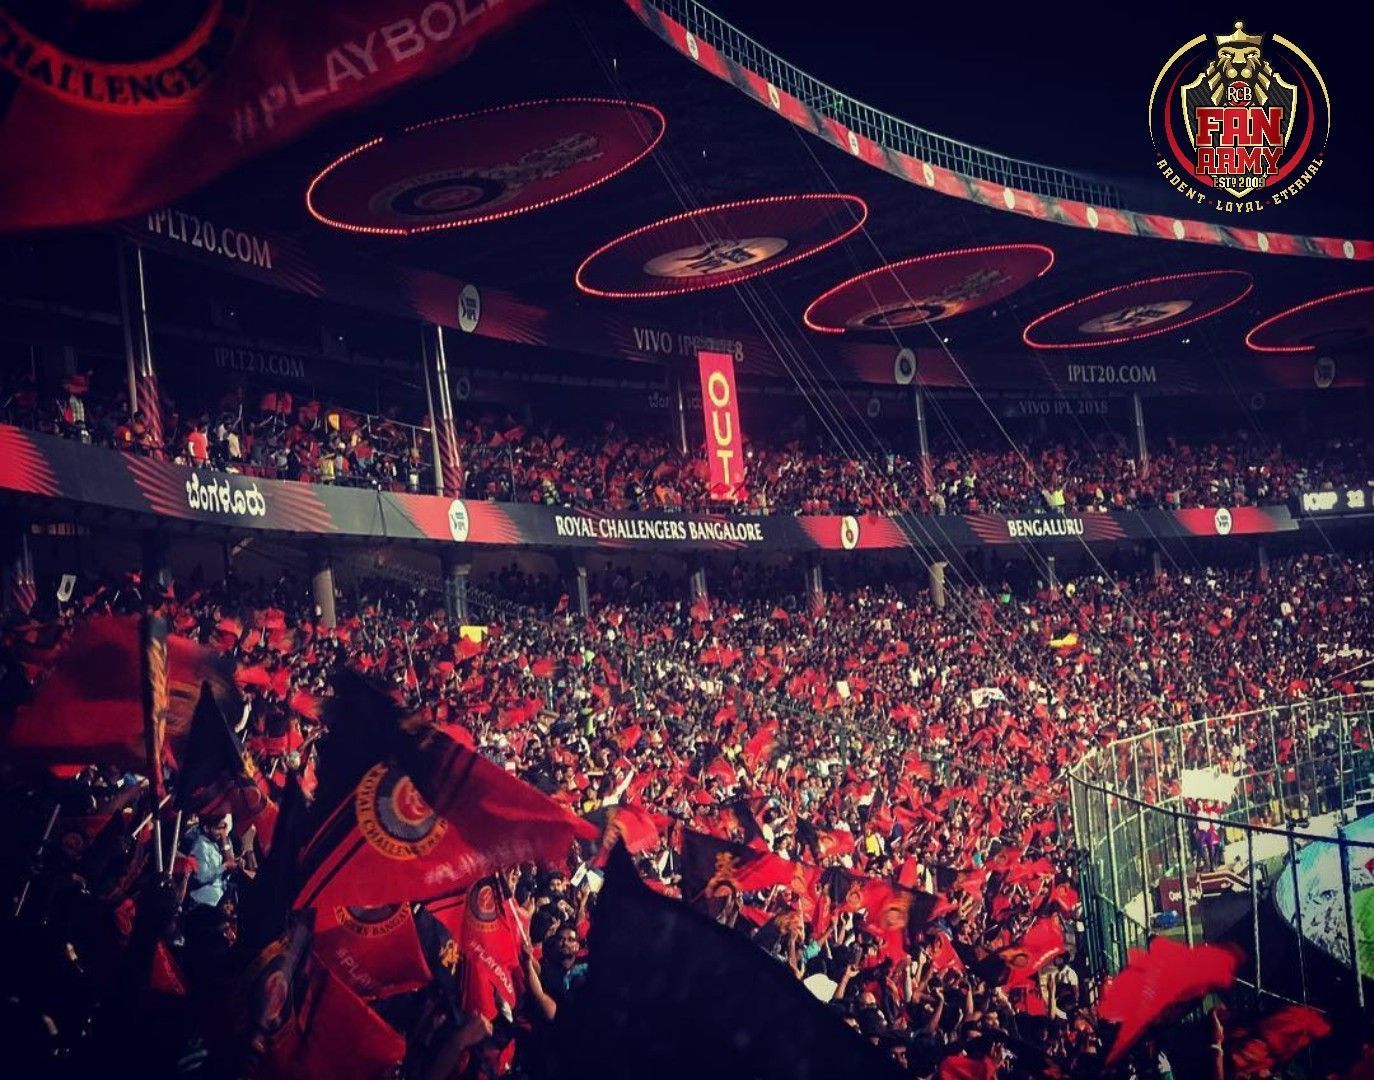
(706, 134)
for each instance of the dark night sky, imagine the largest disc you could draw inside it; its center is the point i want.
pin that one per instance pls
(1066, 83)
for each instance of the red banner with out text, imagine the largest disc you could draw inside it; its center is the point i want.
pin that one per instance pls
(724, 439)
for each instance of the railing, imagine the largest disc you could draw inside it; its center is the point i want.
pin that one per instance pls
(1240, 829)
(883, 128)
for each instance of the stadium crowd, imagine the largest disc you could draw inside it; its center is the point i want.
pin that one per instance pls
(816, 747)
(609, 467)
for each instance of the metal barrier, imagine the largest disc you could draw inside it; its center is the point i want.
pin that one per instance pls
(1283, 867)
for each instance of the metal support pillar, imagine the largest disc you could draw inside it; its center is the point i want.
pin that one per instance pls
(20, 587)
(456, 572)
(157, 574)
(697, 580)
(144, 396)
(677, 406)
(918, 399)
(322, 588)
(936, 571)
(1142, 446)
(584, 606)
(815, 585)
(445, 434)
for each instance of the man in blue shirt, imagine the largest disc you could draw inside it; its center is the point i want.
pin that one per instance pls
(214, 859)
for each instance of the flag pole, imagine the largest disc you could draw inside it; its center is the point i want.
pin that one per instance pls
(42, 846)
(176, 839)
(153, 653)
(149, 817)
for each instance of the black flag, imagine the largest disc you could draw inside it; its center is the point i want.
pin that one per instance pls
(670, 993)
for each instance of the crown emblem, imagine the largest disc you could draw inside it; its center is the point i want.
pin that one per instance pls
(1238, 57)
(1240, 39)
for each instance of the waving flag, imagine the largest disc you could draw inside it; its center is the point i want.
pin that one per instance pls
(713, 869)
(898, 916)
(499, 819)
(296, 1010)
(376, 951)
(490, 945)
(632, 825)
(219, 776)
(1264, 1048)
(89, 708)
(670, 993)
(762, 746)
(1015, 965)
(1153, 982)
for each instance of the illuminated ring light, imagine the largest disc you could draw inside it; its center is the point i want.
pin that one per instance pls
(1139, 310)
(678, 254)
(431, 165)
(1353, 307)
(943, 283)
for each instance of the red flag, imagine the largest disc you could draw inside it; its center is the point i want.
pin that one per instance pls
(167, 112)
(761, 747)
(1153, 982)
(835, 842)
(308, 1044)
(306, 704)
(378, 847)
(943, 956)
(75, 833)
(896, 916)
(89, 708)
(491, 952)
(962, 1067)
(712, 868)
(721, 769)
(542, 668)
(1042, 943)
(500, 819)
(218, 776)
(164, 974)
(633, 825)
(825, 893)
(1263, 1050)
(376, 950)
(389, 843)
(227, 632)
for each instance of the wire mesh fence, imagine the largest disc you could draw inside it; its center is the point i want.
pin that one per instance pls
(1254, 829)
